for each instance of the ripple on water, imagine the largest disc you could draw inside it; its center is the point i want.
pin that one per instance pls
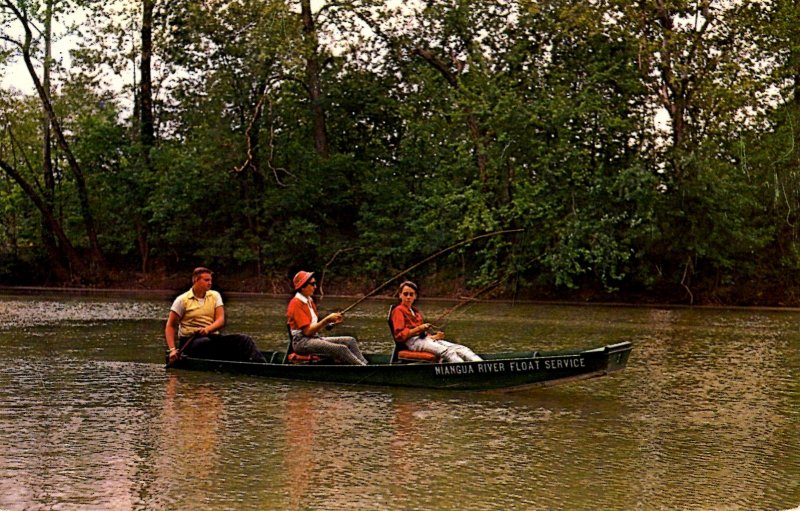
(704, 418)
(70, 429)
(20, 313)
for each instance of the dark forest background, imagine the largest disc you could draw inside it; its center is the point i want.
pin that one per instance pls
(648, 151)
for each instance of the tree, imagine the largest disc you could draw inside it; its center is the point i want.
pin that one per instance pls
(47, 139)
(146, 123)
(703, 68)
(25, 45)
(17, 163)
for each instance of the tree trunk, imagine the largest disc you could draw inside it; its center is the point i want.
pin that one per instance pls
(147, 136)
(794, 63)
(146, 124)
(314, 82)
(75, 260)
(48, 174)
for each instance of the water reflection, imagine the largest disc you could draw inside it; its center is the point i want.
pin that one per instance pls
(23, 312)
(716, 392)
(429, 452)
(332, 459)
(68, 434)
(192, 426)
(301, 426)
(704, 418)
(189, 440)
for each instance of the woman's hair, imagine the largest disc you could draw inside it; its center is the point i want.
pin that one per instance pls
(407, 283)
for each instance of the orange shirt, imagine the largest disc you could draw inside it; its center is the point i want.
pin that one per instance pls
(403, 320)
(298, 314)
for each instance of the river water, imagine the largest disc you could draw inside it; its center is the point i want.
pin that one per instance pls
(705, 417)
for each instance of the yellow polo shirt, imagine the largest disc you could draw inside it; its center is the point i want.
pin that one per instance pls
(195, 313)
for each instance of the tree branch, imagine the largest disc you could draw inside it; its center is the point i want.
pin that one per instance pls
(438, 64)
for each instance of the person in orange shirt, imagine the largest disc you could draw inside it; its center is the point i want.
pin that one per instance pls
(411, 331)
(304, 322)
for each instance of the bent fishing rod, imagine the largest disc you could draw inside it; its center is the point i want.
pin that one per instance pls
(427, 259)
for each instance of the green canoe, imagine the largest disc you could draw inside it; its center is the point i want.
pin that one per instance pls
(498, 371)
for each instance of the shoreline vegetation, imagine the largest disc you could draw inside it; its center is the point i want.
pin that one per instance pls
(169, 286)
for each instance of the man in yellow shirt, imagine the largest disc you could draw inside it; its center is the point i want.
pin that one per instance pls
(196, 318)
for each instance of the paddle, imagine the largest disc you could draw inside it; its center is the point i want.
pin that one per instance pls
(180, 350)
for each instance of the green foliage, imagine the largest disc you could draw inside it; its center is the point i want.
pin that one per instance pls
(460, 118)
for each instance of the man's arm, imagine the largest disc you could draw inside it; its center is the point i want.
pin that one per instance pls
(219, 322)
(171, 335)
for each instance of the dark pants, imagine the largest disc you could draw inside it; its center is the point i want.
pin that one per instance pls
(236, 347)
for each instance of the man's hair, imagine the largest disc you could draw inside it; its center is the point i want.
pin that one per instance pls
(200, 270)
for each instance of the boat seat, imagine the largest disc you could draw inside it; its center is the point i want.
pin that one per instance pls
(400, 355)
(293, 357)
(296, 358)
(416, 356)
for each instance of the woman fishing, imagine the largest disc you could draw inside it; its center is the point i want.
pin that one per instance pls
(410, 330)
(304, 322)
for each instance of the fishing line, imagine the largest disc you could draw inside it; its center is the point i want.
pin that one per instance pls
(438, 322)
(427, 259)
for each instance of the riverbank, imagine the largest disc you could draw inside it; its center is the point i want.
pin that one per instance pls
(442, 285)
(169, 294)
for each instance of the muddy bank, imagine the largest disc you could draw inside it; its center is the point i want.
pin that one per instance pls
(167, 290)
(441, 285)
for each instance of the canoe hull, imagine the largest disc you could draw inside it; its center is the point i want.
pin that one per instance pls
(499, 371)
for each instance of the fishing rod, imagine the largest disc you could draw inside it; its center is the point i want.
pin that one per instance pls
(429, 258)
(437, 323)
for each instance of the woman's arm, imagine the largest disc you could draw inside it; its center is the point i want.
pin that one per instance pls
(331, 319)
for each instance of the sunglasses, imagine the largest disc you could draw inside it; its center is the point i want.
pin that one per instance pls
(409, 294)
(312, 283)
